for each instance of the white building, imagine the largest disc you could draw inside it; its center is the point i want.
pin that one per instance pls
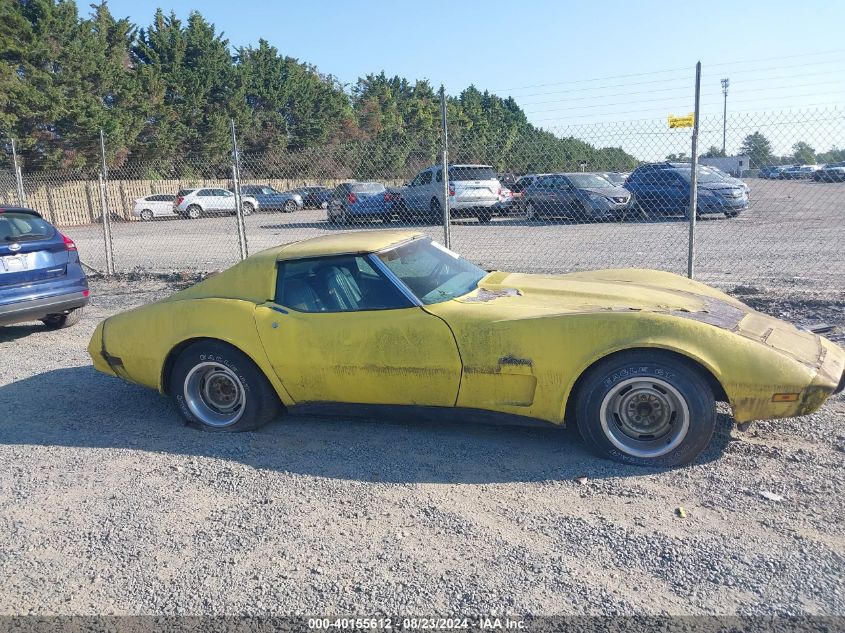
(734, 165)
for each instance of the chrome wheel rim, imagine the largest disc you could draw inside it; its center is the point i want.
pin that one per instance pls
(214, 394)
(645, 417)
(247, 209)
(146, 215)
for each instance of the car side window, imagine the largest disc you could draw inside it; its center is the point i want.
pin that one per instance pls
(416, 181)
(439, 175)
(205, 193)
(545, 182)
(426, 178)
(347, 283)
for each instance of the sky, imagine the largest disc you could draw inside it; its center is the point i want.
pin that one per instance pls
(566, 63)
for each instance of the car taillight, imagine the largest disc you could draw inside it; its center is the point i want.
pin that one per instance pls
(388, 197)
(69, 244)
(351, 198)
(451, 189)
(86, 293)
(179, 200)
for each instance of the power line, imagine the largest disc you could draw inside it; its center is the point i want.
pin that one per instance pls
(670, 70)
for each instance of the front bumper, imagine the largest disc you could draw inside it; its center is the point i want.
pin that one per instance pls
(35, 309)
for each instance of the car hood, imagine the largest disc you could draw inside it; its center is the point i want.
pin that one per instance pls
(610, 192)
(719, 186)
(529, 296)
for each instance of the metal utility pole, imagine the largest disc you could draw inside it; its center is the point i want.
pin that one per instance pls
(243, 251)
(725, 83)
(693, 195)
(104, 205)
(447, 218)
(18, 176)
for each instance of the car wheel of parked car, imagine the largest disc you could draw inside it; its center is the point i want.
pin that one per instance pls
(248, 208)
(484, 217)
(324, 205)
(646, 407)
(218, 388)
(147, 215)
(193, 212)
(290, 206)
(731, 214)
(61, 321)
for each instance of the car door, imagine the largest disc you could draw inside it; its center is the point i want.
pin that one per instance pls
(339, 330)
(566, 197)
(542, 195)
(412, 194)
(225, 200)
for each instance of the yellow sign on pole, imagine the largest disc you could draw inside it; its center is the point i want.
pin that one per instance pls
(682, 121)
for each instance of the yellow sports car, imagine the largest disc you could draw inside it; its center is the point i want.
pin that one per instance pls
(637, 358)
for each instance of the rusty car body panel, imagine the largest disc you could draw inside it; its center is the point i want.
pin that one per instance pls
(517, 344)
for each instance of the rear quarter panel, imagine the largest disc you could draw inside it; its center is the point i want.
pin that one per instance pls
(143, 338)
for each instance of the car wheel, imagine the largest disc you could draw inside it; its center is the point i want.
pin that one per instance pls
(646, 407)
(731, 214)
(484, 217)
(218, 388)
(61, 321)
(193, 212)
(290, 206)
(248, 208)
(324, 205)
(147, 215)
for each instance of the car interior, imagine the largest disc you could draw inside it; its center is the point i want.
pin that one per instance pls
(335, 284)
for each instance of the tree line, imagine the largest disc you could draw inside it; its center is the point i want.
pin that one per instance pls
(165, 95)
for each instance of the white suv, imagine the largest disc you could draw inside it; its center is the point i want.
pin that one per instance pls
(474, 191)
(195, 203)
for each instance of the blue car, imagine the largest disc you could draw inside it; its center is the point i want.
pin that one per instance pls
(41, 278)
(359, 201)
(664, 189)
(269, 199)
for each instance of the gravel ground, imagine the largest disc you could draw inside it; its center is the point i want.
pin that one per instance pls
(791, 236)
(109, 505)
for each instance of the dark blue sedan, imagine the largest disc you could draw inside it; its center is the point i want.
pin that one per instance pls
(359, 201)
(41, 278)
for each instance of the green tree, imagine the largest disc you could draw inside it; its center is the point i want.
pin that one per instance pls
(803, 154)
(713, 152)
(758, 148)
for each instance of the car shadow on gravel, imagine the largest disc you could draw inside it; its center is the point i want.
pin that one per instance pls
(79, 407)
(14, 332)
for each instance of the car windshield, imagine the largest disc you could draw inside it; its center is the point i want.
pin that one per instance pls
(616, 179)
(591, 181)
(367, 187)
(461, 173)
(704, 175)
(23, 227)
(432, 272)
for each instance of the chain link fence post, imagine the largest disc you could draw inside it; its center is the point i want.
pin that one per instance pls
(104, 206)
(447, 219)
(19, 190)
(243, 250)
(693, 195)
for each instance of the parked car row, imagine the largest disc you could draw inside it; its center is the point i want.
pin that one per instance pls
(199, 202)
(477, 191)
(832, 172)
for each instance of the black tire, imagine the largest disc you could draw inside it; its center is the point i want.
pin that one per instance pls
(61, 321)
(634, 370)
(260, 405)
(731, 214)
(147, 215)
(290, 206)
(193, 212)
(484, 217)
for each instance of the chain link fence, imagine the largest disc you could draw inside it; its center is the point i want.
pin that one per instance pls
(570, 198)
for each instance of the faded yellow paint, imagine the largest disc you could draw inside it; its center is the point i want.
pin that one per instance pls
(515, 345)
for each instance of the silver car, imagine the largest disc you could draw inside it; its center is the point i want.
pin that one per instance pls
(195, 203)
(474, 191)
